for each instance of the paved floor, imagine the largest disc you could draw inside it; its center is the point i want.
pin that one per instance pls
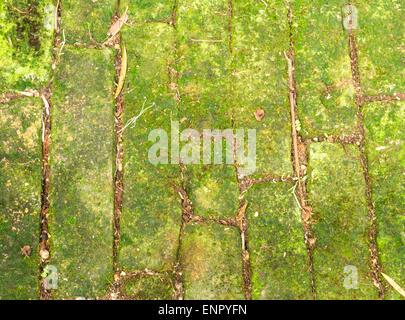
(322, 216)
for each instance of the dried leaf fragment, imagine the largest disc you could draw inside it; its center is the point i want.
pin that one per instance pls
(117, 25)
(123, 70)
(259, 114)
(26, 251)
(44, 254)
(306, 213)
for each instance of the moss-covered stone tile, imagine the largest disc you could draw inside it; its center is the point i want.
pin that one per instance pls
(337, 196)
(81, 172)
(213, 190)
(325, 94)
(212, 262)
(151, 217)
(381, 46)
(203, 81)
(385, 147)
(20, 192)
(83, 16)
(278, 255)
(147, 10)
(260, 37)
(146, 287)
(203, 60)
(25, 44)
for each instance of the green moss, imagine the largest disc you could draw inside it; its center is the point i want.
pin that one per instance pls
(141, 10)
(25, 45)
(151, 216)
(337, 196)
(322, 60)
(20, 204)
(143, 287)
(259, 81)
(83, 16)
(203, 61)
(385, 147)
(381, 46)
(81, 172)
(212, 262)
(276, 243)
(203, 80)
(213, 190)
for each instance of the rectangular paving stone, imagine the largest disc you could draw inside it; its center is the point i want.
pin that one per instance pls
(325, 94)
(20, 197)
(260, 36)
(385, 147)
(204, 87)
(81, 192)
(380, 40)
(146, 287)
(151, 216)
(79, 17)
(278, 255)
(25, 45)
(213, 190)
(203, 65)
(212, 262)
(337, 196)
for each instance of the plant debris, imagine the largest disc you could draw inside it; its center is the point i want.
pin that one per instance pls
(26, 251)
(259, 114)
(123, 71)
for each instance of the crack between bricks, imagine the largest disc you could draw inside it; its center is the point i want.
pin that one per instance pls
(299, 153)
(372, 232)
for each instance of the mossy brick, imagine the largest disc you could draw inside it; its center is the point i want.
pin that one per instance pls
(151, 214)
(326, 101)
(341, 223)
(213, 190)
(25, 44)
(203, 81)
(81, 192)
(148, 287)
(260, 37)
(82, 17)
(203, 65)
(278, 255)
(212, 262)
(20, 197)
(381, 43)
(385, 149)
(147, 10)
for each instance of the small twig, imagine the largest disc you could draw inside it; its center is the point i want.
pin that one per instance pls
(394, 284)
(382, 153)
(62, 43)
(18, 10)
(132, 121)
(295, 196)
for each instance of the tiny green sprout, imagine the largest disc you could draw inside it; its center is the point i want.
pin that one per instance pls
(45, 273)
(298, 125)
